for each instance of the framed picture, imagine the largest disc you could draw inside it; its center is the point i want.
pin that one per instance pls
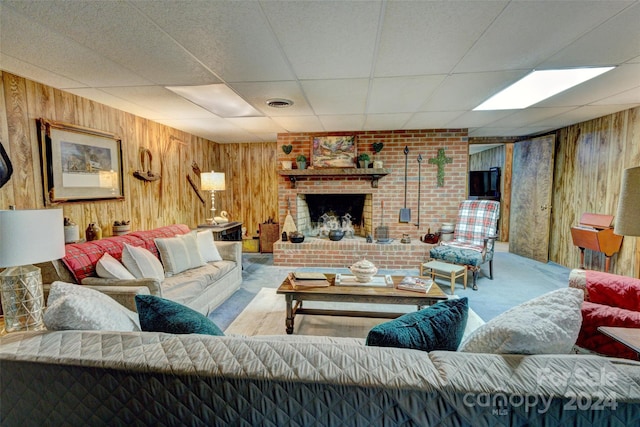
(79, 164)
(334, 152)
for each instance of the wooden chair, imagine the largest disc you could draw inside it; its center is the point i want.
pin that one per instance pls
(473, 238)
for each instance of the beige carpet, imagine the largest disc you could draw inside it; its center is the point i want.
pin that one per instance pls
(265, 315)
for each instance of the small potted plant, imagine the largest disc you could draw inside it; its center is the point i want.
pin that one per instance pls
(287, 164)
(301, 160)
(364, 159)
(377, 148)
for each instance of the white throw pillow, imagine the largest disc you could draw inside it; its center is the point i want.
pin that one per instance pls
(142, 263)
(548, 324)
(110, 268)
(207, 247)
(179, 253)
(71, 306)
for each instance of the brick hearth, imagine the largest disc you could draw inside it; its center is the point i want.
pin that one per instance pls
(315, 252)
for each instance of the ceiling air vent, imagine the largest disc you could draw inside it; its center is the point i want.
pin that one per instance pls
(279, 103)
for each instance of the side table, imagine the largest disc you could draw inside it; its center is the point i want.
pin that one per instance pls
(225, 231)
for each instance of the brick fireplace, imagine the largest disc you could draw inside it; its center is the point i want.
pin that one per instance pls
(437, 204)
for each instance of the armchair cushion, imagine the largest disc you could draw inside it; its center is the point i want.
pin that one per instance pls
(477, 220)
(613, 290)
(460, 256)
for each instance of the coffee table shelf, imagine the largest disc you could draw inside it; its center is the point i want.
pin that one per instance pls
(353, 294)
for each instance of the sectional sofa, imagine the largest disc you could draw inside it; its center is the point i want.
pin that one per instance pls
(103, 378)
(202, 288)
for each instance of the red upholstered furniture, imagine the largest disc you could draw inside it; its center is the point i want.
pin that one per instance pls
(609, 300)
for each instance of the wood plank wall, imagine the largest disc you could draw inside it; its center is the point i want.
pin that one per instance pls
(146, 204)
(590, 158)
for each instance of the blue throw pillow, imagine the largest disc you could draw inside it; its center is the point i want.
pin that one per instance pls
(438, 327)
(162, 315)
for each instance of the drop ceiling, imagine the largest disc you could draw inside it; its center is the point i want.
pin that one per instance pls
(346, 65)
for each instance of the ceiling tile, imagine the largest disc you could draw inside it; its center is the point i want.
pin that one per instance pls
(478, 118)
(385, 121)
(520, 118)
(232, 38)
(343, 122)
(256, 124)
(431, 120)
(515, 41)
(300, 123)
(629, 97)
(36, 73)
(347, 96)
(327, 39)
(430, 37)
(601, 46)
(401, 94)
(466, 91)
(257, 94)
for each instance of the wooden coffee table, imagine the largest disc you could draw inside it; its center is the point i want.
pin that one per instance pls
(629, 337)
(354, 294)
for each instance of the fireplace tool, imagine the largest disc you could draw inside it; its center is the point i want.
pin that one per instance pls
(382, 232)
(405, 213)
(289, 225)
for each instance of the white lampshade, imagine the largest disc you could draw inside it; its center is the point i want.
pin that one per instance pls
(627, 221)
(31, 236)
(212, 181)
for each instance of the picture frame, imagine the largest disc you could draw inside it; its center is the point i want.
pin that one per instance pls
(79, 164)
(334, 152)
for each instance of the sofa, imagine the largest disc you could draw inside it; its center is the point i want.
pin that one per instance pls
(102, 378)
(609, 300)
(202, 288)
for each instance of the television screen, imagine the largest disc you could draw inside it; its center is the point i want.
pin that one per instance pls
(484, 183)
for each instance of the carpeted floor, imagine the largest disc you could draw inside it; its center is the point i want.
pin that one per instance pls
(516, 279)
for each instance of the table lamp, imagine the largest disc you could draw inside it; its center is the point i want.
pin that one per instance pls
(27, 237)
(627, 222)
(212, 181)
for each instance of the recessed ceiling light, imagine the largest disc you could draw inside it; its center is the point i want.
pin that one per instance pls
(539, 85)
(279, 103)
(217, 98)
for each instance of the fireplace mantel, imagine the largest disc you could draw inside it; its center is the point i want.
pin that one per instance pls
(296, 174)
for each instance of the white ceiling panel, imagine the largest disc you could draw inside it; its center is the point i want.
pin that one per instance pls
(343, 122)
(233, 39)
(346, 65)
(385, 121)
(401, 94)
(347, 96)
(439, 33)
(300, 123)
(33, 43)
(467, 91)
(257, 95)
(515, 41)
(598, 47)
(341, 35)
(165, 103)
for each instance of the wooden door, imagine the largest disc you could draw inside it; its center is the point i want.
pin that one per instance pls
(531, 195)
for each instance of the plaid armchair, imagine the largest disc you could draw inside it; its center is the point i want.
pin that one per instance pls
(473, 238)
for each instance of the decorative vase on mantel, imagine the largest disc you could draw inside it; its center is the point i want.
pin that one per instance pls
(301, 160)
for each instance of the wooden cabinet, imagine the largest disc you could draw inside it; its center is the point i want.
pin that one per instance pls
(269, 234)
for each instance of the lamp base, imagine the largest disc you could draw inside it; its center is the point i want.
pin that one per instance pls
(22, 298)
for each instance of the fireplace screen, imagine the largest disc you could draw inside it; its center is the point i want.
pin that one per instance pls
(318, 213)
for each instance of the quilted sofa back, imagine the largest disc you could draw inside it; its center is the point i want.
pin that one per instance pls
(81, 258)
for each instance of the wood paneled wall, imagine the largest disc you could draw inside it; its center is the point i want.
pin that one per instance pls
(146, 204)
(590, 158)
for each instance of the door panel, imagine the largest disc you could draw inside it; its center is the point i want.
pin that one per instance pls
(531, 191)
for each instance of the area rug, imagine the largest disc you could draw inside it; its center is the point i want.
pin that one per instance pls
(265, 315)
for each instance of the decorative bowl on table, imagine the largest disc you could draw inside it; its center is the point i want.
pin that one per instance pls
(363, 271)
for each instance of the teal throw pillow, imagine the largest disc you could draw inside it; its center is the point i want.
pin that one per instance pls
(438, 327)
(162, 315)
